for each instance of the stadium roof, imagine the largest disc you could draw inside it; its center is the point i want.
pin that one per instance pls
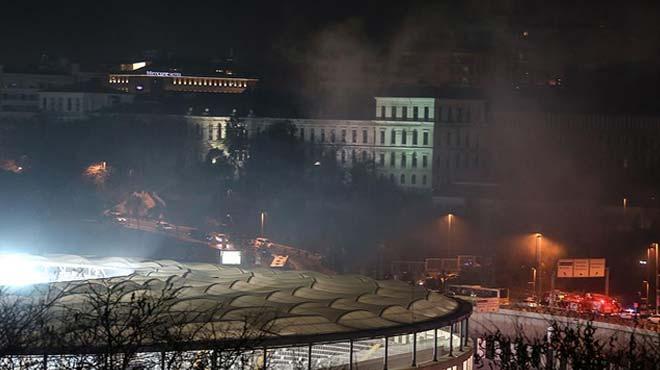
(291, 306)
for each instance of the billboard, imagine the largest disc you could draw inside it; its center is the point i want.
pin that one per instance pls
(279, 261)
(597, 267)
(230, 257)
(565, 269)
(581, 268)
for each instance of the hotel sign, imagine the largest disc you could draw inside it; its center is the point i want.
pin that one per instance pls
(163, 74)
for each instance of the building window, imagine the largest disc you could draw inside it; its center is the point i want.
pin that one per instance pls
(364, 156)
(343, 135)
(364, 137)
(414, 160)
(354, 136)
(403, 179)
(343, 156)
(425, 138)
(311, 135)
(403, 160)
(413, 179)
(381, 159)
(414, 137)
(392, 178)
(382, 111)
(404, 112)
(69, 105)
(393, 112)
(353, 156)
(392, 164)
(393, 137)
(425, 161)
(332, 135)
(302, 133)
(404, 137)
(415, 113)
(382, 137)
(323, 135)
(423, 179)
(426, 113)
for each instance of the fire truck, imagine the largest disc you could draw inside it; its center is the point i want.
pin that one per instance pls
(583, 303)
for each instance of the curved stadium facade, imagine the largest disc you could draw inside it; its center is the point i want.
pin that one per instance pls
(278, 319)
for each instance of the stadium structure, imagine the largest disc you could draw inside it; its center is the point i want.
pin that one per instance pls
(278, 319)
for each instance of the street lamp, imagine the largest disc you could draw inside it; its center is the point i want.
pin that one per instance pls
(450, 218)
(539, 266)
(263, 221)
(652, 266)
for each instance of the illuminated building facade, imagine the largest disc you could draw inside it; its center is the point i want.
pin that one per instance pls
(19, 89)
(77, 104)
(398, 142)
(143, 78)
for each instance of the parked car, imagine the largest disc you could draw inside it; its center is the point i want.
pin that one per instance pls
(263, 243)
(162, 225)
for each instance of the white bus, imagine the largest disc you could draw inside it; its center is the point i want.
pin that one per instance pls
(484, 299)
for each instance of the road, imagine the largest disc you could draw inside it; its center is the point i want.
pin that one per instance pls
(182, 233)
(299, 259)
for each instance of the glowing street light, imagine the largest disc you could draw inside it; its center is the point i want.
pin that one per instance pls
(539, 266)
(262, 222)
(450, 218)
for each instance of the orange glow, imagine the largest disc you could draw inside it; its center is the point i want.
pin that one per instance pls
(97, 172)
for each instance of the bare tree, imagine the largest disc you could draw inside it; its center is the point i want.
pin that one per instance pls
(567, 346)
(25, 321)
(121, 324)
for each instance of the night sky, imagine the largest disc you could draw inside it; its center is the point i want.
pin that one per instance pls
(599, 47)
